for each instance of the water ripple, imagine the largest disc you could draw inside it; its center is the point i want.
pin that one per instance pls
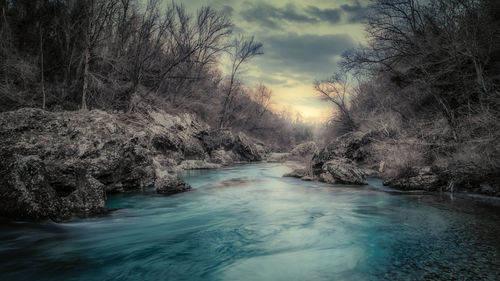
(249, 223)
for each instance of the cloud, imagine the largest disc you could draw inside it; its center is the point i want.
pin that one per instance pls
(330, 15)
(274, 17)
(271, 16)
(228, 10)
(265, 79)
(313, 101)
(311, 55)
(290, 13)
(356, 13)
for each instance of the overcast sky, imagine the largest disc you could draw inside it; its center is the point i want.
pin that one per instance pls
(303, 41)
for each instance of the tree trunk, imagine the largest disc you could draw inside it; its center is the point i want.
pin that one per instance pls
(226, 102)
(6, 77)
(41, 67)
(85, 79)
(86, 60)
(134, 99)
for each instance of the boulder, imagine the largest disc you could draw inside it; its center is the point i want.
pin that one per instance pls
(301, 153)
(27, 191)
(353, 146)
(169, 184)
(214, 139)
(74, 158)
(277, 157)
(299, 173)
(424, 178)
(340, 171)
(304, 150)
(246, 148)
(242, 146)
(222, 157)
(262, 150)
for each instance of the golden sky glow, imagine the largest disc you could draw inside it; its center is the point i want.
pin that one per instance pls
(303, 41)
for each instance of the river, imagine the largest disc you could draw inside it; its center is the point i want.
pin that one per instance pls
(249, 223)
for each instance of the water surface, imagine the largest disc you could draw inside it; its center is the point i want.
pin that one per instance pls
(249, 223)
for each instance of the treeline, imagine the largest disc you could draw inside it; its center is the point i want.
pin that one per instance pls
(115, 54)
(428, 83)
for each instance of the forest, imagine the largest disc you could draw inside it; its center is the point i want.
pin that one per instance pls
(124, 56)
(427, 86)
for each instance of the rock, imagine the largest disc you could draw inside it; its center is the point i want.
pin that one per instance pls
(76, 157)
(486, 189)
(370, 172)
(222, 157)
(27, 192)
(467, 175)
(353, 146)
(163, 164)
(246, 149)
(168, 185)
(262, 150)
(167, 141)
(298, 173)
(88, 199)
(277, 157)
(423, 178)
(242, 146)
(340, 171)
(301, 153)
(197, 164)
(175, 136)
(304, 150)
(215, 139)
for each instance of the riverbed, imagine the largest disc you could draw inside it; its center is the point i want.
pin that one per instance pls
(249, 223)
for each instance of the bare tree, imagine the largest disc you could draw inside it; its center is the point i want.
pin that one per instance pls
(242, 51)
(173, 50)
(194, 44)
(262, 95)
(337, 90)
(97, 15)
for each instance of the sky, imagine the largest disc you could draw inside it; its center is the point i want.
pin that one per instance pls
(302, 42)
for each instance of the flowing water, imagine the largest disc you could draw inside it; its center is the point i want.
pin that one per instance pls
(249, 223)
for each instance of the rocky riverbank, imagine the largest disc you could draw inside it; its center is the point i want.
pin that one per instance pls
(60, 165)
(336, 163)
(350, 158)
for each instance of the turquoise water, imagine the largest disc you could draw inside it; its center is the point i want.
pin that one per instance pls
(249, 223)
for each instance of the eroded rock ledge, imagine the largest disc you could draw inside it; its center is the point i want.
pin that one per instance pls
(348, 159)
(60, 165)
(335, 163)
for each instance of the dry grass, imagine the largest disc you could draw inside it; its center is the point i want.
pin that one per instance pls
(399, 159)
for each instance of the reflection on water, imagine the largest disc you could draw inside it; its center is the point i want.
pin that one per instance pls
(249, 223)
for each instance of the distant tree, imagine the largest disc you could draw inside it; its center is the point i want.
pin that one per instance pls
(337, 90)
(242, 51)
(262, 95)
